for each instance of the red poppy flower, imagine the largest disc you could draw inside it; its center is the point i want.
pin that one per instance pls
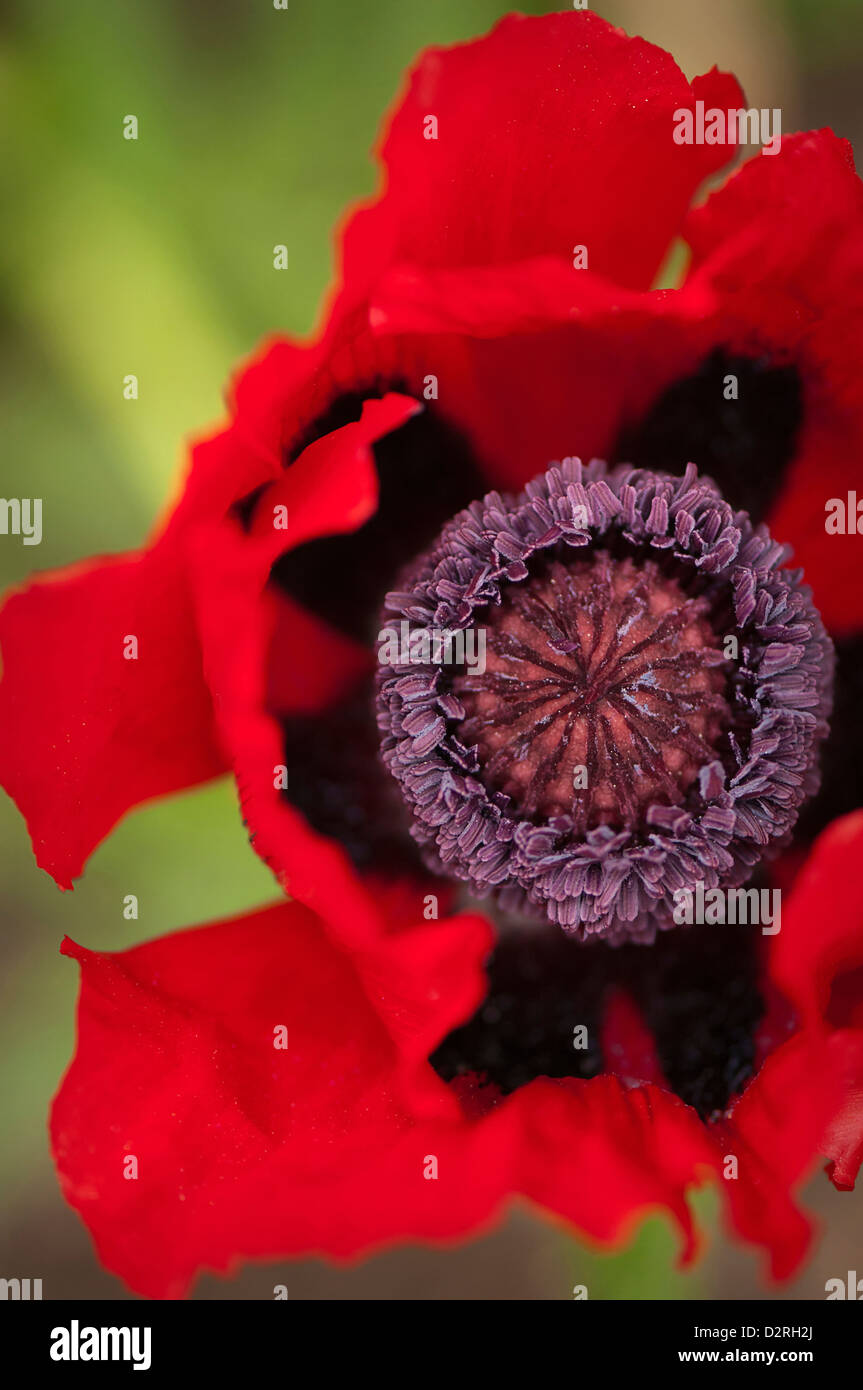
(494, 313)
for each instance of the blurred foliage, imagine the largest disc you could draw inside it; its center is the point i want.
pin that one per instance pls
(831, 29)
(154, 257)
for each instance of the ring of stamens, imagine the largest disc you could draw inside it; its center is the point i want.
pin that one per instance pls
(604, 596)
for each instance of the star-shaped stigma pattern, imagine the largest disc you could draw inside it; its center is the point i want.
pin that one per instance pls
(603, 691)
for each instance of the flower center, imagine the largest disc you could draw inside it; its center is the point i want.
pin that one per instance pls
(611, 746)
(602, 693)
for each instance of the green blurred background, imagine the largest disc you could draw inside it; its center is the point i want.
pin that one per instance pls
(155, 258)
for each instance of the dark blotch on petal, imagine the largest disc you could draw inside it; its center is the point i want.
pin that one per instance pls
(699, 995)
(336, 780)
(697, 990)
(426, 472)
(744, 445)
(541, 986)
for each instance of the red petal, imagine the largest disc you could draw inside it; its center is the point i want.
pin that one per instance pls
(774, 1132)
(331, 488)
(525, 297)
(87, 733)
(244, 1148)
(586, 356)
(843, 1143)
(604, 1156)
(822, 926)
(551, 131)
(816, 961)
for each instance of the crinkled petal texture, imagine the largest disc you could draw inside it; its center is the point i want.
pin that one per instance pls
(534, 138)
(236, 1088)
(268, 1078)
